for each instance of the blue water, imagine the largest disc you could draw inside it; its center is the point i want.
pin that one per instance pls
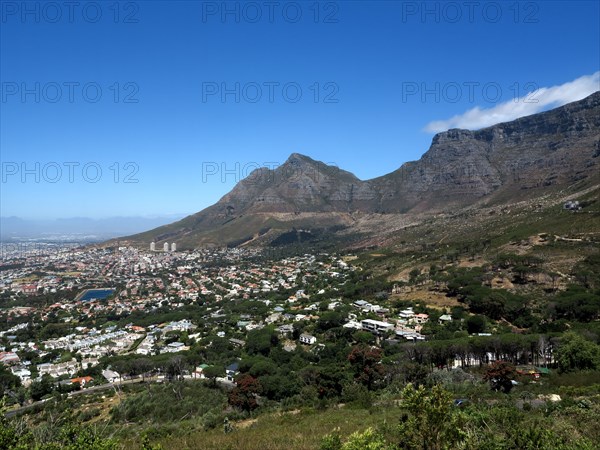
(97, 294)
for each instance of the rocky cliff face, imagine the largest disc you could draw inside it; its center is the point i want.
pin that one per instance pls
(548, 149)
(526, 157)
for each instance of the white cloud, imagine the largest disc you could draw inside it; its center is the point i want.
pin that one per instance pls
(538, 101)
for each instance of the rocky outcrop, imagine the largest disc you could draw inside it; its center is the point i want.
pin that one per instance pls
(548, 149)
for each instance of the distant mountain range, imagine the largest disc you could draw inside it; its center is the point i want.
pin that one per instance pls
(77, 228)
(524, 159)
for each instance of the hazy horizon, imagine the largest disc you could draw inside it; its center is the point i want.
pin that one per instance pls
(16, 228)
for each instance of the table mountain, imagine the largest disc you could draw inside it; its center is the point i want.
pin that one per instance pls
(523, 159)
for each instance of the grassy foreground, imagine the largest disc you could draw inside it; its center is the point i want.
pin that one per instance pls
(301, 430)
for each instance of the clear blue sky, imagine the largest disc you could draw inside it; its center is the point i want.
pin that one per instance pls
(373, 58)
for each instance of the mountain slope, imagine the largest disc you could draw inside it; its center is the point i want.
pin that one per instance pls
(523, 159)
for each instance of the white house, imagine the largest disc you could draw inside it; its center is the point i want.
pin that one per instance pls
(307, 339)
(111, 376)
(174, 347)
(21, 372)
(445, 318)
(406, 313)
(362, 304)
(376, 326)
(352, 324)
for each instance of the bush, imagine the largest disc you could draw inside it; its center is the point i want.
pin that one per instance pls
(331, 441)
(210, 420)
(366, 440)
(169, 402)
(358, 395)
(449, 378)
(88, 414)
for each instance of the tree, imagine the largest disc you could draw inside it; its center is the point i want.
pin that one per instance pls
(577, 353)
(577, 304)
(7, 379)
(121, 366)
(588, 271)
(330, 319)
(261, 341)
(364, 337)
(278, 387)
(367, 365)
(475, 324)
(500, 375)
(141, 366)
(413, 275)
(245, 392)
(328, 379)
(212, 372)
(39, 389)
(484, 300)
(262, 367)
(175, 368)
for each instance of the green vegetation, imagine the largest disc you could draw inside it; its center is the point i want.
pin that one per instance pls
(431, 420)
(513, 322)
(171, 402)
(577, 353)
(62, 436)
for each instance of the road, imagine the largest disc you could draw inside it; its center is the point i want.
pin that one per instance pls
(17, 411)
(90, 390)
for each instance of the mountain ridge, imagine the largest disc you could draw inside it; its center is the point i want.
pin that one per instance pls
(524, 158)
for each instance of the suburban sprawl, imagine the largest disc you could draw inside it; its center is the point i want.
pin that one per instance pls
(236, 333)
